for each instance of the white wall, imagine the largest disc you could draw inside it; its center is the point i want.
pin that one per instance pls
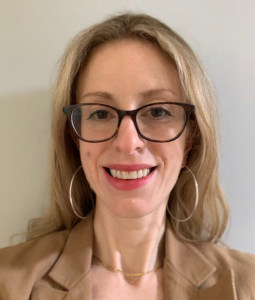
(33, 35)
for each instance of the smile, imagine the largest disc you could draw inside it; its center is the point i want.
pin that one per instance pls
(129, 175)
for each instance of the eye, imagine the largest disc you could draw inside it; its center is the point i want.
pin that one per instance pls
(156, 113)
(159, 112)
(99, 115)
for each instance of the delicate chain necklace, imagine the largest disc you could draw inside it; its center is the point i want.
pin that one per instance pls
(110, 268)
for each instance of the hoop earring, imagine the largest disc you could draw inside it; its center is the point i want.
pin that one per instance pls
(196, 200)
(71, 198)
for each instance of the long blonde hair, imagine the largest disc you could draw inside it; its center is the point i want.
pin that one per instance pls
(210, 219)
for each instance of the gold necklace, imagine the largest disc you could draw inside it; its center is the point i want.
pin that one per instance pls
(110, 268)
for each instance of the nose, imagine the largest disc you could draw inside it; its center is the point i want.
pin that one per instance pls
(127, 139)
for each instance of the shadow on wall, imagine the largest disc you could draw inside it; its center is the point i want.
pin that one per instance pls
(24, 172)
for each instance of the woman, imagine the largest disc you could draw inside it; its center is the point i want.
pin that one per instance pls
(134, 157)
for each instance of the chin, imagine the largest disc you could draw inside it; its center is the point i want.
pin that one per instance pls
(132, 208)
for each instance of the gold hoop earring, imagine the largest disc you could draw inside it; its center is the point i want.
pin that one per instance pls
(71, 198)
(196, 200)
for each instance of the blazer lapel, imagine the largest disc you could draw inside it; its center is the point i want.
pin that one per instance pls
(189, 275)
(72, 270)
(223, 289)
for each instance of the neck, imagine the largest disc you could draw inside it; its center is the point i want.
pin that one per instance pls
(133, 245)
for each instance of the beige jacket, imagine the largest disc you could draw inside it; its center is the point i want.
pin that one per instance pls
(57, 266)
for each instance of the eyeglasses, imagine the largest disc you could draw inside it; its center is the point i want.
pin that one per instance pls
(156, 122)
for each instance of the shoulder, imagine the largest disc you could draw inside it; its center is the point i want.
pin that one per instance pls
(34, 250)
(224, 256)
(26, 262)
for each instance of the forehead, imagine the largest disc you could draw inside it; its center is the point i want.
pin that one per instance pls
(128, 67)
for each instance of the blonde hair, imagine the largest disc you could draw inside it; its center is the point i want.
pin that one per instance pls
(210, 219)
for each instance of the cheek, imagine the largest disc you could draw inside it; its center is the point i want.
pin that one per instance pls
(173, 164)
(89, 155)
(85, 151)
(173, 157)
(174, 151)
(86, 159)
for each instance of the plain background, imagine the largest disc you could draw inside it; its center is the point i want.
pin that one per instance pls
(33, 36)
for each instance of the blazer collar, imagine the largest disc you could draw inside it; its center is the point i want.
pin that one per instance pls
(75, 260)
(186, 269)
(190, 275)
(186, 259)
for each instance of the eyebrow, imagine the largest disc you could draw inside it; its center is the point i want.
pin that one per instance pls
(146, 94)
(104, 95)
(156, 92)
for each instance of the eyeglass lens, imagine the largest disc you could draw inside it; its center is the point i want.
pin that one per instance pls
(159, 122)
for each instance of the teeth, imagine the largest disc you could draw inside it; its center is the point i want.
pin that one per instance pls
(140, 174)
(118, 174)
(133, 175)
(124, 175)
(114, 173)
(145, 172)
(129, 175)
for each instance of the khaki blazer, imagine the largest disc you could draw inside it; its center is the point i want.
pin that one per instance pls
(57, 266)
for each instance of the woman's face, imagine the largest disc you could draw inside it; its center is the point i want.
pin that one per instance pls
(128, 74)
